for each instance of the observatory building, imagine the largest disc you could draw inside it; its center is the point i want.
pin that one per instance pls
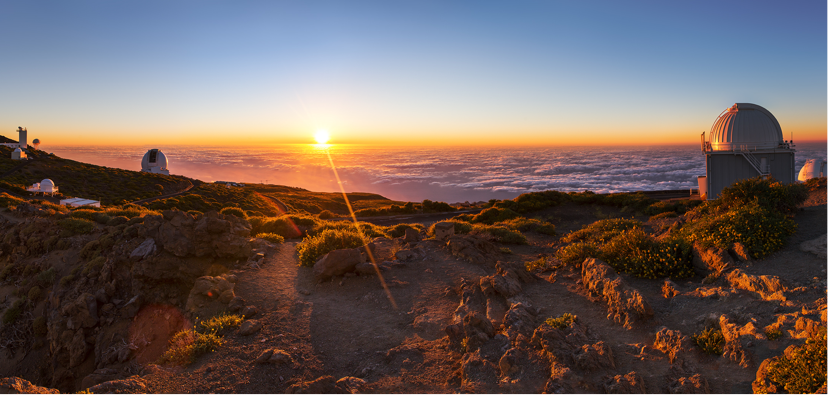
(22, 141)
(18, 154)
(155, 162)
(813, 168)
(47, 186)
(745, 142)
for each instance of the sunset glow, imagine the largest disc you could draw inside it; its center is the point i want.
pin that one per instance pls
(321, 136)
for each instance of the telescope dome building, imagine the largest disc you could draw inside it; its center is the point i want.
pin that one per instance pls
(155, 161)
(745, 141)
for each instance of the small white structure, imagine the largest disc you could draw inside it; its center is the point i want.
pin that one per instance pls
(155, 161)
(47, 186)
(19, 154)
(78, 202)
(813, 168)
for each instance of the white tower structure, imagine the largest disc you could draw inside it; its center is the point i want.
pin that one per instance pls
(155, 161)
(23, 140)
(745, 142)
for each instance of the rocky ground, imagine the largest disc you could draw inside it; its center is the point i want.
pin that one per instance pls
(455, 315)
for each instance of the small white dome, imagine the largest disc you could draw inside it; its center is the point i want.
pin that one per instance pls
(745, 126)
(154, 158)
(812, 168)
(47, 183)
(18, 149)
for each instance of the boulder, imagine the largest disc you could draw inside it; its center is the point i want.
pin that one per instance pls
(736, 339)
(519, 321)
(250, 327)
(367, 268)
(670, 342)
(769, 287)
(594, 357)
(509, 362)
(695, 384)
(411, 235)
(630, 383)
(336, 263)
(472, 249)
(816, 246)
(236, 304)
(443, 230)
(625, 304)
(78, 349)
(131, 385)
(740, 252)
(144, 250)
(321, 385)
(16, 385)
(249, 311)
(350, 384)
(710, 260)
(99, 376)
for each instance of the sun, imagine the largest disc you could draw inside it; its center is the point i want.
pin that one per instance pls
(321, 136)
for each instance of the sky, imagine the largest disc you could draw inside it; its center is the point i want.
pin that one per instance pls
(406, 73)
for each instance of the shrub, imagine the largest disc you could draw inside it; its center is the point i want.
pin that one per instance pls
(601, 231)
(576, 253)
(398, 230)
(539, 264)
(325, 214)
(91, 249)
(94, 265)
(529, 225)
(282, 226)
(635, 252)
(668, 214)
(766, 192)
(760, 229)
(711, 341)
(271, 237)
(46, 277)
(773, 333)
(7, 200)
(34, 294)
(436, 207)
(66, 280)
(490, 215)
(562, 321)
(500, 234)
(504, 250)
(802, 369)
(460, 227)
(234, 211)
(188, 345)
(219, 324)
(330, 239)
(75, 226)
(14, 311)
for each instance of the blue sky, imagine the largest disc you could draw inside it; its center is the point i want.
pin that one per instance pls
(523, 72)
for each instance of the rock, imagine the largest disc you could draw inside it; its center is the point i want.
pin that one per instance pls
(336, 263)
(509, 362)
(769, 287)
(16, 385)
(496, 308)
(476, 371)
(472, 249)
(322, 385)
(236, 304)
(710, 260)
(408, 254)
(367, 268)
(175, 240)
(594, 357)
(144, 250)
(668, 290)
(78, 349)
(630, 383)
(478, 330)
(695, 384)
(280, 357)
(131, 308)
(226, 296)
(99, 376)
(734, 348)
(411, 235)
(519, 321)
(250, 327)
(560, 342)
(249, 311)
(264, 357)
(625, 304)
(132, 385)
(816, 246)
(670, 342)
(739, 251)
(372, 247)
(443, 230)
(350, 385)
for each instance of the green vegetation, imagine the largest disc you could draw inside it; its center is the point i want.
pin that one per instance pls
(498, 233)
(271, 237)
(540, 264)
(801, 371)
(330, 239)
(504, 250)
(34, 294)
(75, 226)
(39, 326)
(326, 214)
(561, 322)
(7, 200)
(773, 333)
(751, 212)
(625, 246)
(398, 230)
(219, 324)
(215, 197)
(14, 311)
(234, 211)
(711, 341)
(188, 345)
(66, 280)
(206, 336)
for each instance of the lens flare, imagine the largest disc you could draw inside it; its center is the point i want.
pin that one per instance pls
(321, 136)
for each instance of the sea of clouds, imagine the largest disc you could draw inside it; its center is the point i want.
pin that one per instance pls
(451, 174)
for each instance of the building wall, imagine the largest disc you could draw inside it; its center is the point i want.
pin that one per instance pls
(725, 168)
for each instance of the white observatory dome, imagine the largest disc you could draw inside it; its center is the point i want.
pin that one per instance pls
(47, 185)
(745, 126)
(813, 168)
(154, 158)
